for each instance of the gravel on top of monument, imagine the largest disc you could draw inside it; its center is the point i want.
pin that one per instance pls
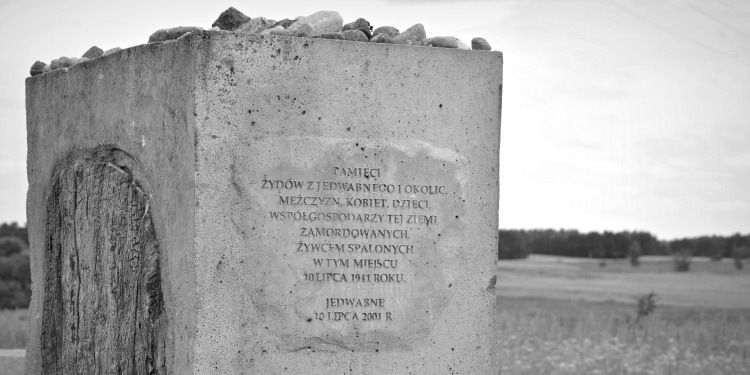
(322, 24)
(355, 35)
(480, 44)
(339, 36)
(446, 42)
(93, 52)
(413, 36)
(387, 30)
(37, 68)
(230, 19)
(360, 24)
(171, 33)
(255, 25)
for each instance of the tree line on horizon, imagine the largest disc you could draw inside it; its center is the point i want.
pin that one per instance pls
(15, 269)
(520, 243)
(15, 272)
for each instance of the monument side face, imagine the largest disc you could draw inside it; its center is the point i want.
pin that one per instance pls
(110, 213)
(346, 207)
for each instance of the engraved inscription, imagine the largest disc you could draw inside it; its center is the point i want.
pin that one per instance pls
(353, 227)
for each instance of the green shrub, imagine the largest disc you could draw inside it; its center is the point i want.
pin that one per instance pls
(15, 281)
(739, 253)
(634, 254)
(11, 245)
(682, 260)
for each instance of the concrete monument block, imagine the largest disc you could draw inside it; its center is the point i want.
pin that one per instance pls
(229, 203)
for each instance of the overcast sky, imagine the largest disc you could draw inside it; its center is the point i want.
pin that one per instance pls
(617, 115)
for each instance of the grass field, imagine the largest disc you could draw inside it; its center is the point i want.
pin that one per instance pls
(708, 284)
(13, 328)
(573, 316)
(12, 361)
(12, 341)
(563, 316)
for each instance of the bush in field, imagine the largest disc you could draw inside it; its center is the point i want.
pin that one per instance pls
(634, 254)
(15, 281)
(646, 305)
(682, 260)
(15, 274)
(511, 245)
(11, 245)
(739, 253)
(14, 230)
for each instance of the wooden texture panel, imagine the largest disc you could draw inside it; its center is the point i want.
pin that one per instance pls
(103, 305)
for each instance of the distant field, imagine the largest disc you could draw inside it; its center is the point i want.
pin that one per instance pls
(563, 316)
(12, 341)
(12, 361)
(13, 329)
(559, 337)
(708, 284)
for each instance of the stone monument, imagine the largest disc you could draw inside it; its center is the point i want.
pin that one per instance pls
(227, 203)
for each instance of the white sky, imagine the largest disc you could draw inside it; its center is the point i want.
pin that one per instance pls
(617, 115)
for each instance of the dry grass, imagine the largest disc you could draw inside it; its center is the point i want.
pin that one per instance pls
(13, 328)
(575, 317)
(11, 362)
(538, 336)
(708, 284)
(572, 316)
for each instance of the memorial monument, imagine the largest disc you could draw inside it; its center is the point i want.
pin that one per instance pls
(232, 203)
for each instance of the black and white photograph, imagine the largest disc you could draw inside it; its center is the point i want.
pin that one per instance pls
(414, 187)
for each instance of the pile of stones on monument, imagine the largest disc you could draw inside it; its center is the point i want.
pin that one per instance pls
(323, 24)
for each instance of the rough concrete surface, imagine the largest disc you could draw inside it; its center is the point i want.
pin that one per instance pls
(321, 206)
(141, 101)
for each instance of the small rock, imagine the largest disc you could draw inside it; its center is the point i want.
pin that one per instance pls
(171, 33)
(462, 45)
(338, 36)
(255, 25)
(215, 28)
(388, 30)
(302, 31)
(414, 36)
(480, 44)
(272, 30)
(230, 19)
(47, 69)
(355, 35)
(111, 51)
(37, 68)
(321, 22)
(360, 24)
(381, 38)
(67, 61)
(93, 52)
(62, 62)
(82, 59)
(284, 23)
(279, 31)
(443, 42)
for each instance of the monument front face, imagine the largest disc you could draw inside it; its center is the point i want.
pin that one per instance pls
(347, 208)
(318, 206)
(359, 235)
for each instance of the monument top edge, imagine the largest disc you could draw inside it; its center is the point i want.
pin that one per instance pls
(202, 38)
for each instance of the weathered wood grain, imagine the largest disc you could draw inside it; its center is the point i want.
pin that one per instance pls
(103, 306)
